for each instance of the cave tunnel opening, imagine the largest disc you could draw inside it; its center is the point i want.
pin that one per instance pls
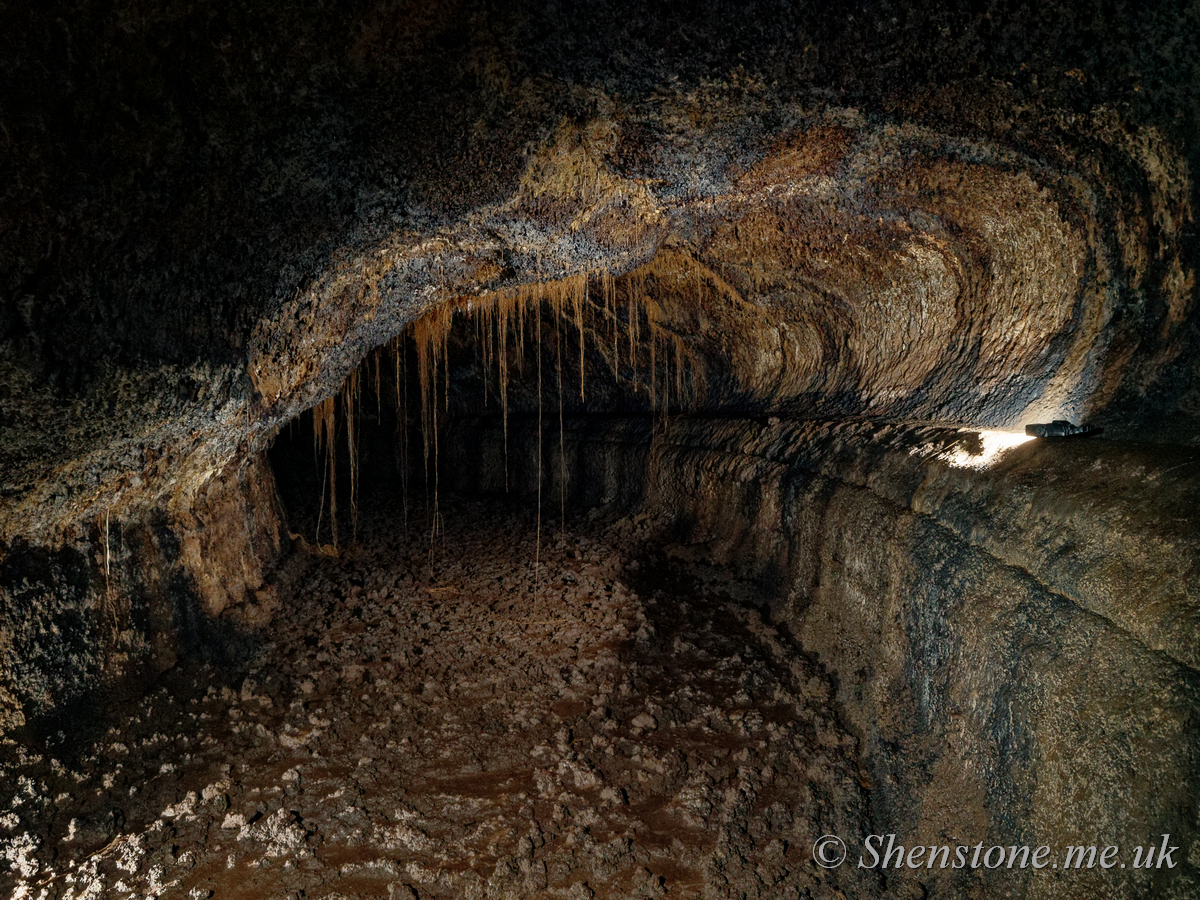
(589, 596)
(560, 620)
(586, 598)
(502, 395)
(735, 607)
(525, 451)
(473, 678)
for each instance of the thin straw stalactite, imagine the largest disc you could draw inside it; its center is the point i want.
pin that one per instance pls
(350, 398)
(537, 553)
(324, 434)
(499, 322)
(562, 454)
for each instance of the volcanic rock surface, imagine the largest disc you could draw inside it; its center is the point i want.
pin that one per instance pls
(787, 278)
(491, 713)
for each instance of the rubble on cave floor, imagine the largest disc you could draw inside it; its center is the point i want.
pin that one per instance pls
(441, 720)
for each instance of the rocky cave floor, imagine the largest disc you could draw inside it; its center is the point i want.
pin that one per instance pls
(437, 719)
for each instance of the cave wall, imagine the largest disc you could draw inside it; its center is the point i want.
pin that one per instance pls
(1011, 639)
(127, 595)
(230, 537)
(962, 214)
(1013, 651)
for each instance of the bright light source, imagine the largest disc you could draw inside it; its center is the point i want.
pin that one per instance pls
(969, 454)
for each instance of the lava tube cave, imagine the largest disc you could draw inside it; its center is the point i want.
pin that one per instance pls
(471, 450)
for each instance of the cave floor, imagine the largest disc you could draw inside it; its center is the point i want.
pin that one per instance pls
(436, 719)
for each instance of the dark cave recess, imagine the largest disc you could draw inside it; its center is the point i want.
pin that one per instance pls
(414, 426)
(880, 240)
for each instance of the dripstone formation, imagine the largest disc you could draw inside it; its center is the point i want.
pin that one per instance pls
(776, 288)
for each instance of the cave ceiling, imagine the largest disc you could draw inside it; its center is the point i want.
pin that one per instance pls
(965, 214)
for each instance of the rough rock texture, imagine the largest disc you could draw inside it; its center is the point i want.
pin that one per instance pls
(123, 595)
(1014, 645)
(1012, 640)
(937, 216)
(230, 535)
(454, 722)
(216, 215)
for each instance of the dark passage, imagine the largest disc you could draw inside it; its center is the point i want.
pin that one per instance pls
(449, 719)
(566, 451)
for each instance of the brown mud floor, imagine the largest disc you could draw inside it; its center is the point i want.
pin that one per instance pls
(445, 722)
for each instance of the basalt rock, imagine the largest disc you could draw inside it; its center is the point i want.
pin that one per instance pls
(846, 252)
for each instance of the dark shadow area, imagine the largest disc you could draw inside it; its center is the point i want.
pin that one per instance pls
(468, 420)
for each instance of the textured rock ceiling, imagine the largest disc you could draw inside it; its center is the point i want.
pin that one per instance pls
(961, 216)
(856, 226)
